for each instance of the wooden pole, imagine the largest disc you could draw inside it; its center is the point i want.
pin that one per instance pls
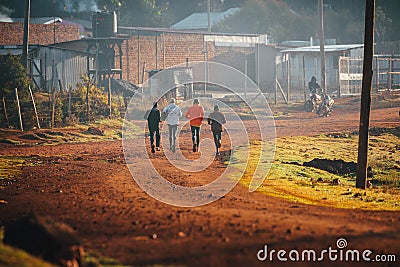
(322, 44)
(338, 77)
(209, 16)
(87, 101)
(143, 71)
(34, 107)
(163, 49)
(282, 92)
(53, 106)
(60, 84)
(304, 79)
(26, 34)
(275, 83)
(276, 88)
(138, 58)
(377, 75)
(69, 102)
(390, 63)
(156, 51)
(288, 79)
(109, 98)
(5, 112)
(362, 162)
(245, 79)
(19, 110)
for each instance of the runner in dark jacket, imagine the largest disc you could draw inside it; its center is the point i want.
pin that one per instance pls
(216, 119)
(153, 118)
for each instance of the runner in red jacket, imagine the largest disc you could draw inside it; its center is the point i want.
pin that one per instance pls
(196, 115)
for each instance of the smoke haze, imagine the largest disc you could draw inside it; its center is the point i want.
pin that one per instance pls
(76, 6)
(5, 14)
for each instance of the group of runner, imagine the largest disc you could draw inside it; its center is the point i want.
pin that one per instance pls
(195, 114)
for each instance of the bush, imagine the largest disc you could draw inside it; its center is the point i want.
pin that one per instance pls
(13, 75)
(98, 103)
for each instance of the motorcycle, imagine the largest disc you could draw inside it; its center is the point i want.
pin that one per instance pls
(325, 107)
(315, 98)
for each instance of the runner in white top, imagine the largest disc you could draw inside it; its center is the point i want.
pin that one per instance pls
(173, 113)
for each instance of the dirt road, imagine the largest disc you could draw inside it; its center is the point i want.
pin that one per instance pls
(88, 186)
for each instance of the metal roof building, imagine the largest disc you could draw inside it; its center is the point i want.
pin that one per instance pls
(199, 21)
(328, 49)
(298, 64)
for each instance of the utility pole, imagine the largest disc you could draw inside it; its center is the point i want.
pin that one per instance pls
(26, 34)
(362, 161)
(88, 84)
(322, 43)
(19, 110)
(209, 15)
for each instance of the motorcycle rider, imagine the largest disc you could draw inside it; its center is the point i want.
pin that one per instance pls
(314, 86)
(315, 95)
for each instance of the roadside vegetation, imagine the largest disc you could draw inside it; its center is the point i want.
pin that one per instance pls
(291, 180)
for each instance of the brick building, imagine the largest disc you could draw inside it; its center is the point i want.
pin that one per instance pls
(146, 49)
(11, 33)
(139, 50)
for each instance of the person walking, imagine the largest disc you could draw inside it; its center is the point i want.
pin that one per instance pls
(172, 113)
(216, 119)
(195, 114)
(153, 117)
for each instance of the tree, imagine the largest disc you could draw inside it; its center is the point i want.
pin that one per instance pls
(383, 25)
(13, 75)
(272, 17)
(343, 26)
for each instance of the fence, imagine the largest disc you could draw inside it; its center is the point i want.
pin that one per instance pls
(60, 108)
(386, 75)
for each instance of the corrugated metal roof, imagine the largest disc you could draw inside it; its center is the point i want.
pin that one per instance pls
(42, 20)
(328, 48)
(85, 23)
(200, 20)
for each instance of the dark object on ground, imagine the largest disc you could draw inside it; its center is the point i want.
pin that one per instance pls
(45, 238)
(32, 137)
(120, 86)
(95, 131)
(335, 166)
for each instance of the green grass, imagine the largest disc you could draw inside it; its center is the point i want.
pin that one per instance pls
(94, 259)
(289, 180)
(10, 257)
(76, 133)
(9, 167)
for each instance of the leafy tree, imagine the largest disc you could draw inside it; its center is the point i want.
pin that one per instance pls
(13, 75)
(145, 13)
(383, 25)
(272, 17)
(342, 26)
